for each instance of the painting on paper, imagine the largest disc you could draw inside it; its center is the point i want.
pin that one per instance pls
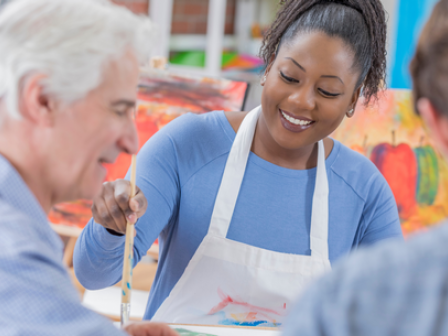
(234, 311)
(162, 97)
(394, 138)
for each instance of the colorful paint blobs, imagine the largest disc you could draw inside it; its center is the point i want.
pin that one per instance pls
(162, 98)
(185, 332)
(253, 317)
(391, 135)
(257, 323)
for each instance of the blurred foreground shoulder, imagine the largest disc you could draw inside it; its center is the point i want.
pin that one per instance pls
(393, 288)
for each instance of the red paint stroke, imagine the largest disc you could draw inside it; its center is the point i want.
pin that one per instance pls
(226, 300)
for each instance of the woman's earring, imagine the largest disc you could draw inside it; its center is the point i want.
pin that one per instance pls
(263, 80)
(350, 113)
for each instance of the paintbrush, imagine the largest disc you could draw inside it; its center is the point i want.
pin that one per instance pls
(126, 280)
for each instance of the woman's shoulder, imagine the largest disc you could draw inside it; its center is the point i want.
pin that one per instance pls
(192, 129)
(191, 140)
(356, 169)
(235, 119)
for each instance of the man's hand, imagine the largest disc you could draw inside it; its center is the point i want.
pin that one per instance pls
(113, 208)
(149, 329)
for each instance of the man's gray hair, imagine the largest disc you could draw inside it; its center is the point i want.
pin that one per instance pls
(68, 41)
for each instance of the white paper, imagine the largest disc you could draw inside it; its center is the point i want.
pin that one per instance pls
(107, 301)
(223, 331)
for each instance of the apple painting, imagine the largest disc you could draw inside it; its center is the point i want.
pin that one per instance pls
(428, 175)
(365, 149)
(398, 165)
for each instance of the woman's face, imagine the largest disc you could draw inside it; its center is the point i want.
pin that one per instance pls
(309, 88)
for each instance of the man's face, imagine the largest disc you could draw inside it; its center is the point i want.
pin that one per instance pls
(92, 132)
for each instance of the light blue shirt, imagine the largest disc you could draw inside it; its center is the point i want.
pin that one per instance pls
(36, 293)
(180, 169)
(394, 288)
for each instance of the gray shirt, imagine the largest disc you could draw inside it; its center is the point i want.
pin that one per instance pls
(392, 288)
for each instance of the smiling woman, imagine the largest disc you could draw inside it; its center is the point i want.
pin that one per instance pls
(249, 207)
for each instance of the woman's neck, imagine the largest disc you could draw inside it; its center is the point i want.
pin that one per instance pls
(266, 148)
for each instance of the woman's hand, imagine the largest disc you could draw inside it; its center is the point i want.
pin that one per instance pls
(149, 329)
(113, 208)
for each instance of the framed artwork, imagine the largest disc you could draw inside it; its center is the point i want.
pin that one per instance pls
(162, 97)
(395, 139)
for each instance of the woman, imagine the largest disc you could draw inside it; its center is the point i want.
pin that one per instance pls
(397, 288)
(257, 215)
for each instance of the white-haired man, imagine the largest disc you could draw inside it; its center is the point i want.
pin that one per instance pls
(68, 77)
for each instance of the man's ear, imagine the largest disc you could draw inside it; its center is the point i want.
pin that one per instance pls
(35, 105)
(436, 122)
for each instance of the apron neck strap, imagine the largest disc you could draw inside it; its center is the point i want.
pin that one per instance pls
(319, 214)
(233, 175)
(233, 178)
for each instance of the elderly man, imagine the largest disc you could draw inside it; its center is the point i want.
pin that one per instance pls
(68, 77)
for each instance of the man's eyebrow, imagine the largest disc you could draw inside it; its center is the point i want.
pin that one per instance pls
(326, 76)
(296, 63)
(125, 102)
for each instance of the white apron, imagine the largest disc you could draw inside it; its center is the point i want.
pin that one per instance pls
(231, 283)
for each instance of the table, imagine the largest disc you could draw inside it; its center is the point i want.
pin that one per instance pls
(227, 330)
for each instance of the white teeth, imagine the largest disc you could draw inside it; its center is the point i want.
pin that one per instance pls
(296, 121)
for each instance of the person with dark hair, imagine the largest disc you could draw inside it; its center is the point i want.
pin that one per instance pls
(394, 288)
(250, 207)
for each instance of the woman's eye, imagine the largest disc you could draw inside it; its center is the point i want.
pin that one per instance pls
(288, 79)
(329, 94)
(121, 113)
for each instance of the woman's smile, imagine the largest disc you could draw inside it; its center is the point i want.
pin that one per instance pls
(294, 123)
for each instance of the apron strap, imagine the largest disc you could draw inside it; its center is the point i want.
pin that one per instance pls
(319, 214)
(233, 175)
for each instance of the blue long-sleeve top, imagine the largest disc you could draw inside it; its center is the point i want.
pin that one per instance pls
(180, 169)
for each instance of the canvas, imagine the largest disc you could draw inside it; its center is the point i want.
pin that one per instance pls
(196, 330)
(394, 138)
(388, 132)
(162, 97)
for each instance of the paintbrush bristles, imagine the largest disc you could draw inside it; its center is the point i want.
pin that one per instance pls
(126, 281)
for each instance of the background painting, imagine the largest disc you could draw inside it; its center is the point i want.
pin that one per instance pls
(162, 98)
(395, 139)
(389, 133)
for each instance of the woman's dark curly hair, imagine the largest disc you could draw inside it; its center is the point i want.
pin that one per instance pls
(361, 24)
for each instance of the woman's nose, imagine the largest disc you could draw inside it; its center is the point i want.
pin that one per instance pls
(303, 98)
